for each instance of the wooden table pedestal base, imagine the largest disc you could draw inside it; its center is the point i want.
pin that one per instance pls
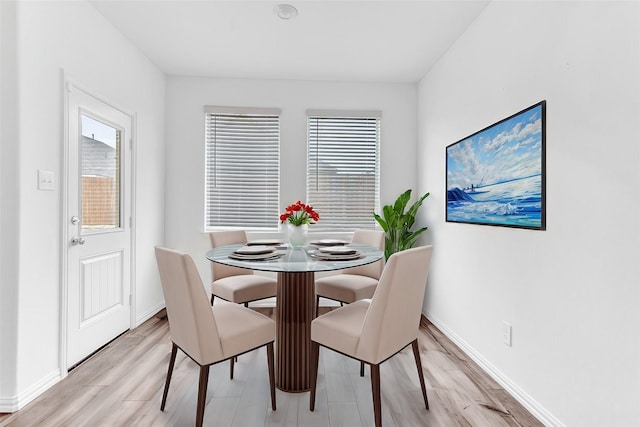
(296, 299)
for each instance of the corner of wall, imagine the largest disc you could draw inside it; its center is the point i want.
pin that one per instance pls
(9, 209)
(143, 317)
(17, 402)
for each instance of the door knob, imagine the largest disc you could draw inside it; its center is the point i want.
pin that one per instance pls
(77, 241)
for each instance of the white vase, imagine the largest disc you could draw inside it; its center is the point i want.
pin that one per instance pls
(297, 234)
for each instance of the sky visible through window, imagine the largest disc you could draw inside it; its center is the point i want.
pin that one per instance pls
(97, 130)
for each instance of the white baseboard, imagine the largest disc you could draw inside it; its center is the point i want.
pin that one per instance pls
(149, 314)
(8, 405)
(20, 401)
(520, 395)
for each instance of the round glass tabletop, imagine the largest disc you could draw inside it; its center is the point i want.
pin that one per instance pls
(295, 259)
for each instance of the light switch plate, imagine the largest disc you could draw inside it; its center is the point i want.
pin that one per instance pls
(45, 180)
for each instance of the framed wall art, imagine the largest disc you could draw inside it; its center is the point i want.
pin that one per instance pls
(497, 175)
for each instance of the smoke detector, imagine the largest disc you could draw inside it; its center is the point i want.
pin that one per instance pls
(285, 11)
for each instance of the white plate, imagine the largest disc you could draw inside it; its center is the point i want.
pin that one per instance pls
(255, 250)
(337, 250)
(264, 242)
(328, 242)
(259, 257)
(333, 257)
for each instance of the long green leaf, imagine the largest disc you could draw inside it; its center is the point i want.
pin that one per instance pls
(410, 240)
(389, 215)
(382, 222)
(413, 210)
(401, 202)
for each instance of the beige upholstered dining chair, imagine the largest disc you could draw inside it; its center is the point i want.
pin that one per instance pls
(355, 283)
(239, 285)
(374, 330)
(206, 334)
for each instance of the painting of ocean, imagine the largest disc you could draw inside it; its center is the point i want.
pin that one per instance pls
(496, 176)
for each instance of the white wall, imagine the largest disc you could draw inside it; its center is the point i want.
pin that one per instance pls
(8, 202)
(571, 292)
(185, 141)
(51, 37)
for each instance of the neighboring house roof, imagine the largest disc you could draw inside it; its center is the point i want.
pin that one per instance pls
(98, 158)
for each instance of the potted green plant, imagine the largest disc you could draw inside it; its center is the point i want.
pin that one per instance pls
(397, 224)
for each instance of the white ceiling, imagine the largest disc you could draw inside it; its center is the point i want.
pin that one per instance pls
(371, 41)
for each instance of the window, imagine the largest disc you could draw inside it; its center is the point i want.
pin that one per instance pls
(343, 179)
(242, 167)
(101, 169)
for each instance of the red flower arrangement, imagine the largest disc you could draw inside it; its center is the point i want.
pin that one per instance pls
(299, 213)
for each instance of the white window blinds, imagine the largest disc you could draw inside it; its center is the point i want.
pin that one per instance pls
(242, 167)
(343, 179)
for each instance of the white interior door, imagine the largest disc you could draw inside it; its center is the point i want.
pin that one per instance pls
(99, 224)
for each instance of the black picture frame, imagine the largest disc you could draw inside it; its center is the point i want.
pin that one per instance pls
(497, 175)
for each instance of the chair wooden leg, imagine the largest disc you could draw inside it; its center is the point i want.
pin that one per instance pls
(212, 297)
(375, 390)
(231, 363)
(202, 394)
(172, 361)
(315, 355)
(416, 355)
(362, 369)
(272, 379)
(317, 305)
(246, 304)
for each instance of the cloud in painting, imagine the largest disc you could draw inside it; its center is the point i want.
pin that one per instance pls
(505, 151)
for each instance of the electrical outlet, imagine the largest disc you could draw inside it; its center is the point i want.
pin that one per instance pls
(506, 334)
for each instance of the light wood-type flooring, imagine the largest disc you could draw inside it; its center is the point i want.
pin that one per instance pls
(121, 385)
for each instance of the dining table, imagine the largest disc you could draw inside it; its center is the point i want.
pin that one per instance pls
(295, 300)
